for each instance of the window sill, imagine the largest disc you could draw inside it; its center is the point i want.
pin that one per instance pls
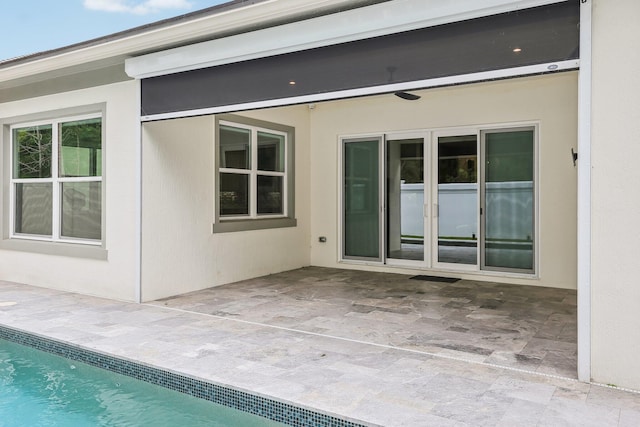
(253, 224)
(55, 248)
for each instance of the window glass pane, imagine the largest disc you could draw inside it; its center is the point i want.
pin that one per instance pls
(80, 148)
(405, 198)
(457, 199)
(234, 194)
(509, 200)
(33, 209)
(235, 148)
(81, 210)
(32, 152)
(270, 195)
(457, 159)
(270, 152)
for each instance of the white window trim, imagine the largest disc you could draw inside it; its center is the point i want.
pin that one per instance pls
(55, 180)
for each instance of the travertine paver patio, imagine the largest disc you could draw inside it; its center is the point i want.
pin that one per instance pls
(525, 327)
(374, 383)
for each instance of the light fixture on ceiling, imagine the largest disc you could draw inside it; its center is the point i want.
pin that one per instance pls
(517, 49)
(401, 94)
(408, 96)
(292, 82)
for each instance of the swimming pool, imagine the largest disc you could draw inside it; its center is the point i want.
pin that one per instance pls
(41, 389)
(229, 397)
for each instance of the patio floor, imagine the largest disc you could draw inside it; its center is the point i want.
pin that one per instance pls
(523, 327)
(270, 336)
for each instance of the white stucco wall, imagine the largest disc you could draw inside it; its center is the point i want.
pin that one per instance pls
(615, 296)
(114, 277)
(551, 100)
(179, 251)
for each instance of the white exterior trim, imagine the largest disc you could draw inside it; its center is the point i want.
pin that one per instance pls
(584, 195)
(374, 90)
(138, 203)
(361, 23)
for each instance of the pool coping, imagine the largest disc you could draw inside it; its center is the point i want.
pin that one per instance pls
(242, 400)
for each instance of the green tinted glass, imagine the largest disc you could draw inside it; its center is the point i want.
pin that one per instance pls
(32, 152)
(81, 148)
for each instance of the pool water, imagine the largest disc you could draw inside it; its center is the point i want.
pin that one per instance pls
(41, 389)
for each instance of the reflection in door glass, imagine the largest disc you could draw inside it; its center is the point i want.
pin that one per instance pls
(458, 199)
(361, 199)
(509, 200)
(405, 199)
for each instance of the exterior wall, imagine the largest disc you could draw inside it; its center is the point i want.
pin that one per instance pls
(551, 100)
(615, 293)
(179, 252)
(114, 277)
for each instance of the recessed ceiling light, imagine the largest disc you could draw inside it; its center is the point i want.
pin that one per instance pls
(517, 50)
(292, 82)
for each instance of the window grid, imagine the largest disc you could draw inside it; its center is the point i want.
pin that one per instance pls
(55, 180)
(253, 172)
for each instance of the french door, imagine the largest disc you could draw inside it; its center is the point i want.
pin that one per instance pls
(457, 200)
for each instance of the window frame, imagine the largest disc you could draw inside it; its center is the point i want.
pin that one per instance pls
(72, 247)
(56, 181)
(253, 220)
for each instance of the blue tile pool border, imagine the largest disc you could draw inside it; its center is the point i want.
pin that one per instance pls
(226, 396)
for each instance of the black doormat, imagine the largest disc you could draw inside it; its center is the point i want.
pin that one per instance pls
(436, 279)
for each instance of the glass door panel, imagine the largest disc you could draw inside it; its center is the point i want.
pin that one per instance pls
(361, 199)
(508, 200)
(405, 199)
(457, 202)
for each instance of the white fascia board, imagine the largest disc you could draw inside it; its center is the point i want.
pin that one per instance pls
(528, 70)
(356, 24)
(117, 49)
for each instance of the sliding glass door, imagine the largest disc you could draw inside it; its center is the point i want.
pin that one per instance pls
(456, 209)
(361, 193)
(479, 213)
(508, 200)
(383, 199)
(405, 193)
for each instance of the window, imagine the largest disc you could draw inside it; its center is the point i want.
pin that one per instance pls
(255, 174)
(56, 180)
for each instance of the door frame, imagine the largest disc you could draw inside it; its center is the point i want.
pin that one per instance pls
(425, 135)
(430, 211)
(457, 131)
(342, 141)
(482, 146)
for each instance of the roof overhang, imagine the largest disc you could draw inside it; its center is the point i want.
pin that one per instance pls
(385, 47)
(229, 18)
(371, 21)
